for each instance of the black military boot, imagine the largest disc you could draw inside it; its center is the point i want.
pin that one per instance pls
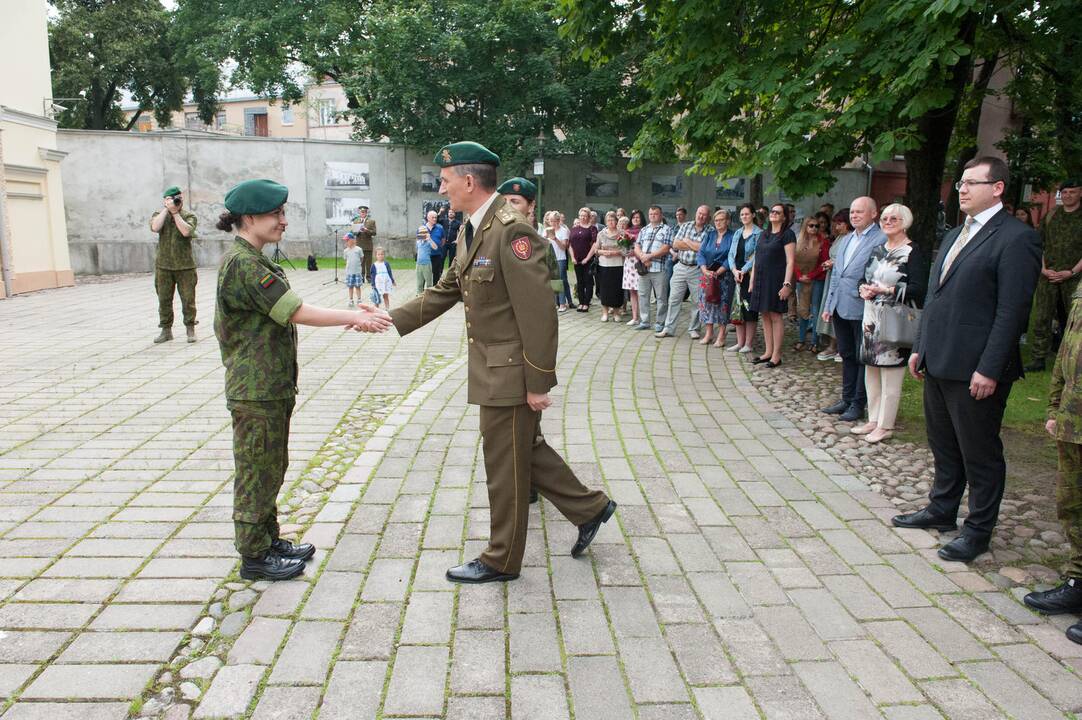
(271, 566)
(1067, 598)
(164, 336)
(293, 552)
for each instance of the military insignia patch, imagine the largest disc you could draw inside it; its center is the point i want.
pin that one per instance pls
(521, 247)
(267, 281)
(446, 155)
(516, 187)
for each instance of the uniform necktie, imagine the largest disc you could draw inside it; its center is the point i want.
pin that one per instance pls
(469, 235)
(956, 248)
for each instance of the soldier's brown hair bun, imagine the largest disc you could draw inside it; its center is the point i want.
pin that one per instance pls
(227, 221)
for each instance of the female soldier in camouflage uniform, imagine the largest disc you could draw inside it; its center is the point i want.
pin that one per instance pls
(254, 321)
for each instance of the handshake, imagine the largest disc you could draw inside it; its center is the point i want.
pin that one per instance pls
(369, 318)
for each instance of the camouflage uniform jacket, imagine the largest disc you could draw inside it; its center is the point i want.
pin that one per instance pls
(511, 326)
(251, 322)
(1061, 235)
(175, 250)
(1065, 392)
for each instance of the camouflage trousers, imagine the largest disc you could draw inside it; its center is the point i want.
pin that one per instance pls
(1069, 503)
(166, 282)
(1050, 302)
(260, 456)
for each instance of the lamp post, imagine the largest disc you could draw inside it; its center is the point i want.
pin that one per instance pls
(539, 171)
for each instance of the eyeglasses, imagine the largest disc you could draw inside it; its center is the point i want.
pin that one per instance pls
(813, 226)
(888, 219)
(964, 183)
(775, 212)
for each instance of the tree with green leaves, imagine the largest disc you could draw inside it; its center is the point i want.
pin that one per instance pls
(800, 89)
(101, 48)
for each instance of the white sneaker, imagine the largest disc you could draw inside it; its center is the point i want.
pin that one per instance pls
(826, 355)
(838, 358)
(604, 318)
(734, 348)
(561, 309)
(745, 349)
(632, 322)
(694, 335)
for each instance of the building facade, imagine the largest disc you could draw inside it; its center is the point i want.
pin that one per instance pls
(33, 229)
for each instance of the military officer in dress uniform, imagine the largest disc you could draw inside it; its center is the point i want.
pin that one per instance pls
(254, 320)
(501, 277)
(364, 227)
(174, 267)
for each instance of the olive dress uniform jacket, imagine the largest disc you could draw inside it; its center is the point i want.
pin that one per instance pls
(511, 324)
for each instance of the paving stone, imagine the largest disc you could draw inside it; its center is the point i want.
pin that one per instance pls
(1049, 677)
(333, 596)
(46, 616)
(476, 708)
(201, 669)
(973, 616)
(783, 698)
(794, 636)
(146, 617)
(917, 657)
(417, 681)
(538, 697)
(90, 682)
(1007, 608)
(950, 638)
(428, 618)
(837, 695)
(534, 643)
(925, 577)
(700, 655)
(307, 654)
(78, 567)
(674, 600)
(259, 642)
(725, 703)
(478, 666)
(573, 579)
(911, 712)
(352, 553)
(895, 589)
(1009, 691)
(230, 692)
(30, 646)
(597, 689)
(189, 590)
(756, 583)
(718, 595)
(875, 672)
(188, 568)
(95, 647)
(584, 628)
(354, 690)
(667, 711)
(67, 711)
(826, 615)
(857, 597)
(959, 699)
(387, 580)
(287, 703)
(281, 598)
(651, 672)
(371, 633)
(12, 678)
(752, 652)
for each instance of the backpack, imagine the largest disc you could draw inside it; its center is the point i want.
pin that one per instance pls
(312, 263)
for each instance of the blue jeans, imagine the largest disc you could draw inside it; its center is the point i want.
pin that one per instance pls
(563, 298)
(805, 325)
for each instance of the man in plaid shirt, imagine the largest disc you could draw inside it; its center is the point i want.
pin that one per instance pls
(651, 249)
(686, 273)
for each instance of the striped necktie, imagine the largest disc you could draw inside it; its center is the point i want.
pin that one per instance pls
(956, 248)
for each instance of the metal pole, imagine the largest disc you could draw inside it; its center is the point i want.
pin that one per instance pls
(5, 240)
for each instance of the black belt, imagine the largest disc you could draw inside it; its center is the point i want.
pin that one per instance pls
(688, 264)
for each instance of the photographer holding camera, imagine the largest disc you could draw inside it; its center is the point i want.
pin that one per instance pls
(175, 265)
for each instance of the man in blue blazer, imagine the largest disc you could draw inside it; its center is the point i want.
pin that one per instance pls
(845, 308)
(979, 294)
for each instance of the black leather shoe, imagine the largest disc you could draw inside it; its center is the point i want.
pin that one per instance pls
(588, 530)
(758, 360)
(1074, 633)
(1035, 366)
(271, 566)
(475, 572)
(534, 497)
(837, 408)
(293, 552)
(964, 548)
(772, 364)
(1067, 598)
(924, 519)
(852, 413)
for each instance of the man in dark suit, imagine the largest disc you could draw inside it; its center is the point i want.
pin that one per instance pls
(845, 308)
(979, 294)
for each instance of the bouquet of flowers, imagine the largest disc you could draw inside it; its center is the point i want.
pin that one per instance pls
(625, 242)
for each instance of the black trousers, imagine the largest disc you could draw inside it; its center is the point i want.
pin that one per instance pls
(963, 434)
(584, 283)
(437, 267)
(849, 333)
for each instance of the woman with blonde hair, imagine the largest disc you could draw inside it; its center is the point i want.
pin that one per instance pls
(812, 250)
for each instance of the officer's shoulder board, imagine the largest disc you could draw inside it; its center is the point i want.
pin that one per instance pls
(508, 215)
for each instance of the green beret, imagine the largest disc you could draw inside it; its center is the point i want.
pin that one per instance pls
(255, 197)
(1070, 183)
(174, 190)
(518, 186)
(465, 153)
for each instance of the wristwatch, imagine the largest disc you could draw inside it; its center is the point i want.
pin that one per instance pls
(788, 285)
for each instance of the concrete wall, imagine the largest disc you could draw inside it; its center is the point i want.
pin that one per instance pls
(113, 183)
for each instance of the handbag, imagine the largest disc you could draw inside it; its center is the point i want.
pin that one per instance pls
(641, 268)
(898, 325)
(736, 315)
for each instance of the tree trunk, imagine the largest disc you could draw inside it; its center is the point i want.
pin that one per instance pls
(925, 164)
(970, 124)
(755, 194)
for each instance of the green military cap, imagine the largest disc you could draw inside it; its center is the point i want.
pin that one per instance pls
(255, 197)
(173, 190)
(518, 186)
(1070, 183)
(465, 153)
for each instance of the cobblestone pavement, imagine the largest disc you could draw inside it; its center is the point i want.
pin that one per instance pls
(747, 575)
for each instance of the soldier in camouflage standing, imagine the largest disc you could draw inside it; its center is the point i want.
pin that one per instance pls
(1065, 425)
(1061, 237)
(174, 268)
(254, 321)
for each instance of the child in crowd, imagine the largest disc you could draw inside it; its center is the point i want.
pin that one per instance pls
(354, 257)
(382, 278)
